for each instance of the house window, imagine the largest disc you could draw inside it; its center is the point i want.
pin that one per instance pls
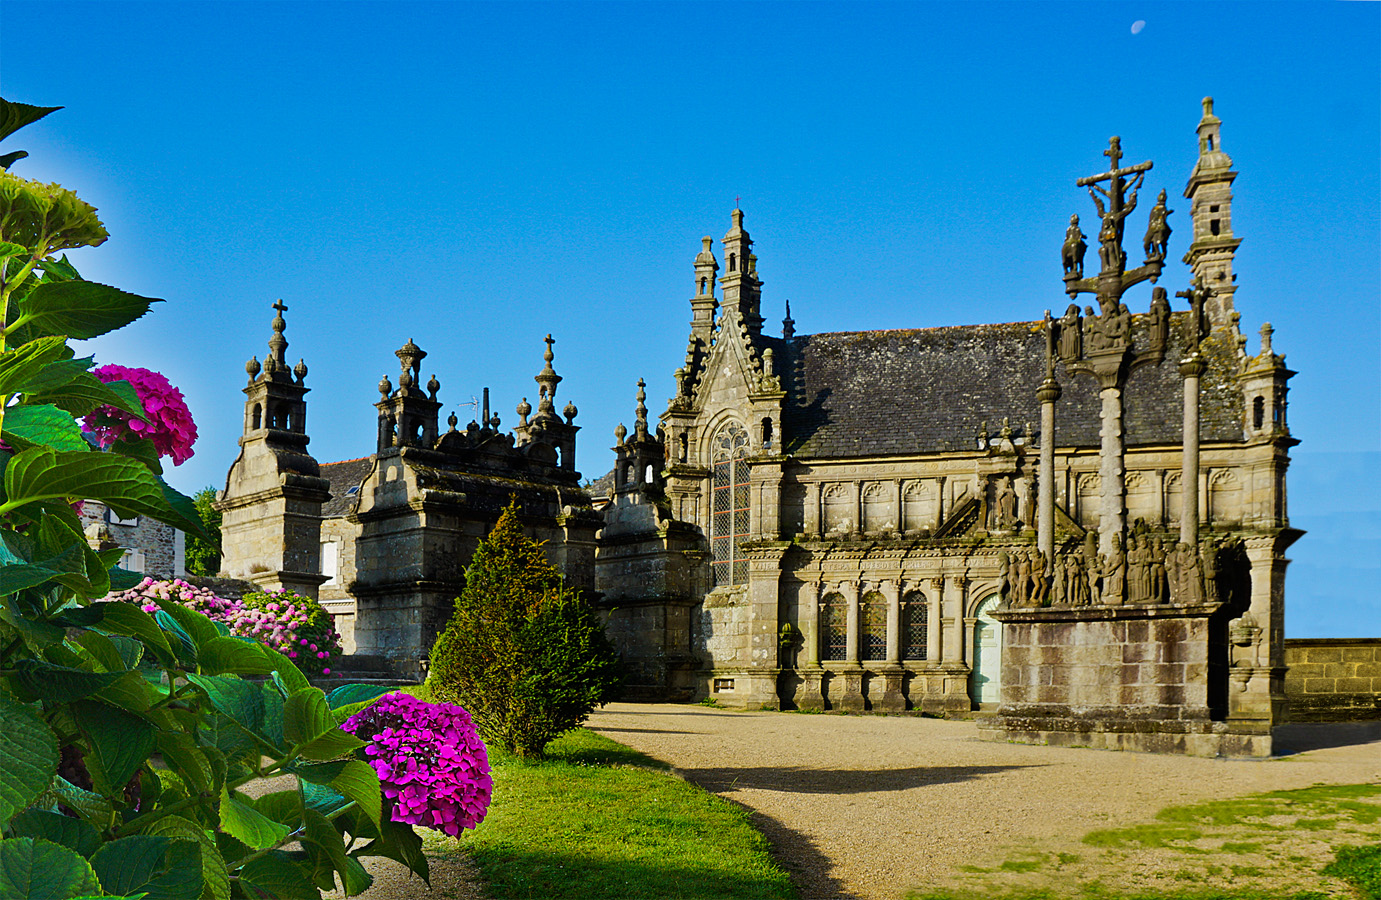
(915, 616)
(731, 493)
(330, 561)
(132, 561)
(834, 612)
(114, 518)
(874, 634)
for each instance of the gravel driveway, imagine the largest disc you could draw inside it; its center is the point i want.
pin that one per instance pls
(868, 806)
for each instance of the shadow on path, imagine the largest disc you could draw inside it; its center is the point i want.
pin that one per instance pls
(1302, 736)
(797, 854)
(802, 780)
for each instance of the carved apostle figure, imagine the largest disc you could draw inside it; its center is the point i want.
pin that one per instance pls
(1157, 230)
(1114, 566)
(1015, 598)
(1160, 318)
(1040, 585)
(1160, 591)
(1139, 570)
(1005, 515)
(1210, 569)
(1077, 583)
(1072, 252)
(1071, 334)
(1004, 582)
(1023, 578)
(1058, 580)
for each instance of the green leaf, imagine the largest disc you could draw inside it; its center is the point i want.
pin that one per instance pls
(92, 807)
(234, 698)
(322, 799)
(276, 875)
(59, 684)
(43, 424)
(141, 449)
(183, 755)
(128, 618)
(248, 825)
(58, 269)
(352, 779)
(15, 578)
(331, 745)
(399, 842)
(14, 116)
(36, 634)
(357, 879)
(132, 692)
(284, 807)
(26, 361)
(102, 649)
(30, 751)
(198, 626)
(222, 655)
(73, 616)
(273, 715)
(120, 743)
(287, 676)
(56, 374)
(73, 834)
(124, 580)
(323, 834)
(83, 392)
(8, 250)
(184, 648)
(36, 869)
(348, 694)
(214, 874)
(80, 309)
(163, 868)
(306, 715)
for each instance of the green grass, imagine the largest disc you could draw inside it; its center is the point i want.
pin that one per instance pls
(1281, 845)
(596, 819)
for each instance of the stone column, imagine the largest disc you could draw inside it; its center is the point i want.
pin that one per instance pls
(934, 616)
(897, 516)
(892, 592)
(940, 501)
(1112, 520)
(811, 514)
(810, 694)
(1191, 368)
(850, 590)
(1048, 393)
(856, 491)
(852, 677)
(891, 698)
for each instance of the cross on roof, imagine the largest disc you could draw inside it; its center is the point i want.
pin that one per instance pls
(280, 306)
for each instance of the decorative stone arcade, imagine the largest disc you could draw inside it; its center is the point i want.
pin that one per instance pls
(1170, 650)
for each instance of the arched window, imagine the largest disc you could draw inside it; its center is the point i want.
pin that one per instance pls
(1258, 412)
(258, 417)
(834, 628)
(731, 494)
(915, 619)
(874, 632)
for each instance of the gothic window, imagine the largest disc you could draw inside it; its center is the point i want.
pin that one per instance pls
(766, 433)
(834, 630)
(915, 619)
(1089, 505)
(874, 631)
(731, 496)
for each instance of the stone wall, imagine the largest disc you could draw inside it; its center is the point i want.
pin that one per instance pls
(1333, 679)
(152, 548)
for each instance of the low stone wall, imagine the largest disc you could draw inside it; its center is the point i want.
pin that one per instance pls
(1333, 679)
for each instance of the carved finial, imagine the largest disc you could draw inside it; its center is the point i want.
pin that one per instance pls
(252, 368)
(768, 364)
(619, 434)
(1208, 107)
(788, 324)
(385, 387)
(547, 381)
(278, 344)
(452, 420)
(1266, 332)
(410, 357)
(300, 370)
(404, 380)
(570, 412)
(523, 409)
(640, 423)
(1006, 429)
(682, 382)
(432, 387)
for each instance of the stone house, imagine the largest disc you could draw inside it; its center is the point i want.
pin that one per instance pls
(150, 547)
(860, 520)
(383, 540)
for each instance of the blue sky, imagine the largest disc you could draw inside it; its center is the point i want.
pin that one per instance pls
(474, 176)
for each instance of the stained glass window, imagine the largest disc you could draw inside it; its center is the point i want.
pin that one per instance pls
(834, 613)
(730, 509)
(915, 617)
(874, 632)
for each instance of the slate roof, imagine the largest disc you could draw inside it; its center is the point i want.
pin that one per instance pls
(914, 391)
(344, 476)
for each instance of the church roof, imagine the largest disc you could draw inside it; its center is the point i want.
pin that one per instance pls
(345, 478)
(926, 390)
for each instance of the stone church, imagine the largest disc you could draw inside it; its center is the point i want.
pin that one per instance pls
(1080, 521)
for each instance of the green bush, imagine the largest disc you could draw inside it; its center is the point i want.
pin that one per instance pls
(204, 555)
(524, 654)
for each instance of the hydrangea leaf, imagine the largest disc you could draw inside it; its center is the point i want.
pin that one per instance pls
(141, 449)
(128, 618)
(80, 309)
(9, 249)
(34, 632)
(226, 655)
(132, 691)
(15, 115)
(34, 867)
(281, 806)
(82, 392)
(273, 716)
(123, 579)
(357, 879)
(198, 626)
(247, 825)
(321, 798)
(234, 698)
(215, 876)
(42, 424)
(347, 694)
(26, 361)
(183, 647)
(73, 834)
(399, 842)
(56, 374)
(160, 867)
(322, 833)
(120, 743)
(187, 759)
(331, 745)
(59, 684)
(275, 874)
(306, 715)
(286, 676)
(352, 779)
(92, 807)
(30, 751)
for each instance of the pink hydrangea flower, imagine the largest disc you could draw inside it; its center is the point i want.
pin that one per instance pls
(168, 424)
(430, 759)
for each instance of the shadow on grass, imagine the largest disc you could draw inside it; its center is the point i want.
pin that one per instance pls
(518, 874)
(802, 780)
(1303, 736)
(797, 854)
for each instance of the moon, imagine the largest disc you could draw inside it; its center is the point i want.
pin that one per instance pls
(1138, 25)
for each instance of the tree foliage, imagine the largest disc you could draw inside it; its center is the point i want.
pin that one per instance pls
(524, 653)
(91, 693)
(203, 555)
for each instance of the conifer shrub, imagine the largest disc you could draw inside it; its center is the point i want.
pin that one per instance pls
(526, 655)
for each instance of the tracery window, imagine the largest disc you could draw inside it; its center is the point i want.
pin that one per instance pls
(874, 632)
(915, 622)
(731, 495)
(834, 629)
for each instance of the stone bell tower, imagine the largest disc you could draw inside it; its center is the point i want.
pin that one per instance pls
(271, 505)
(408, 415)
(1209, 190)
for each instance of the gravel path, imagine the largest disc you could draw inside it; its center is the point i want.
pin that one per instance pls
(866, 807)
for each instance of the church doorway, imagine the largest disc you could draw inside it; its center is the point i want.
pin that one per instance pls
(985, 682)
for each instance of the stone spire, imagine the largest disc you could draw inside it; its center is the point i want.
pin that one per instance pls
(1211, 253)
(278, 344)
(788, 324)
(742, 289)
(274, 401)
(547, 380)
(640, 421)
(408, 416)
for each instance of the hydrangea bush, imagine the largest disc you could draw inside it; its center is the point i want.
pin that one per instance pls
(166, 420)
(430, 760)
(290, 623)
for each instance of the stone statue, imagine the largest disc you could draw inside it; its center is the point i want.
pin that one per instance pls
(1028, 499)
(1071, 334)
(1210, 564)
(1186, 585)
(1004, 583)
(1077, 581)
(1138, 570)
(1059, 580)
(1114, 569)
(1023, 563)
(1160, 318)
(1004, 515)
(1110, 233)
(1157, 230)
(1092, 574)
(1160, 592)
(1040, 586)
(1073, 250)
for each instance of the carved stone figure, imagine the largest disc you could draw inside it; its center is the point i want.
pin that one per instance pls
(1071, 334)
(1139, 570)
(1157, 230)
(1040, 585)
(1023, 579)
(1160, 318)
(1210, 569)
(1160, 591)
(1015, 598)
(1004, 584)
(1092, 572)
(1005, 514)
(1059, 581)
(1073, 250)
(1077, 582)
(1186, 584)
(1114, 570)
(1110, 233)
